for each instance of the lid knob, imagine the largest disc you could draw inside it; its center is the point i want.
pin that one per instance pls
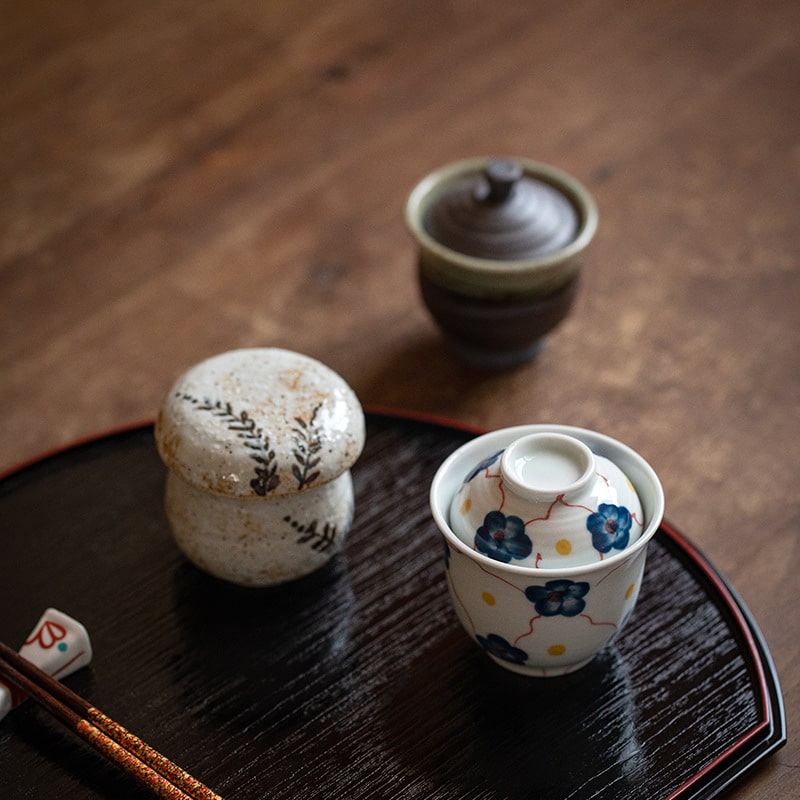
(501, 211)
(501, 177)
(541, 466)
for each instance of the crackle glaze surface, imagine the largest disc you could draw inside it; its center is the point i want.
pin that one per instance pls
(260, 422)
(259, 443)
(261, 543)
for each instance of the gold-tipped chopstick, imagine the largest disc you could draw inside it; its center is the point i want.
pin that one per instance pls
(112, 740)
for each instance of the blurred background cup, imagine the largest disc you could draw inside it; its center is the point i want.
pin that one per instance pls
(500, 247)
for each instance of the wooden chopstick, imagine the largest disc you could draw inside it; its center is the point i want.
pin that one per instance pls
(112, 740)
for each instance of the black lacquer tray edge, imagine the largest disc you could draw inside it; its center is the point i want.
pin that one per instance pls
(85, 441)
(765, 737)
(769, 733)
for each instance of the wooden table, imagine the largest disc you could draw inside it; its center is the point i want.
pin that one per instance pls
(180, 179)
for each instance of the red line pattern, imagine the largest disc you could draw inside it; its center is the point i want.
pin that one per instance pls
(586, 616)
(497, 577)
(529, 631)
(558, 501)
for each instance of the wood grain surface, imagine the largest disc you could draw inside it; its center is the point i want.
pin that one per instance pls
(180, 179)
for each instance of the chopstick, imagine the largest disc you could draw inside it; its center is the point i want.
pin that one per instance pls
(138, 759)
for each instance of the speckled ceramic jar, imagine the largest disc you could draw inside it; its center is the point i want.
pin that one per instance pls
(259, 443)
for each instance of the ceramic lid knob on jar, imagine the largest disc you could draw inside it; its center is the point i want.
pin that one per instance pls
(259, 443)
(500, 245)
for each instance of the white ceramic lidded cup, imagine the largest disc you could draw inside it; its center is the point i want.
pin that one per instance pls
(259, 443)
(543, 593)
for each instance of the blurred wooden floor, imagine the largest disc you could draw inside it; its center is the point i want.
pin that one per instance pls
(180, 179)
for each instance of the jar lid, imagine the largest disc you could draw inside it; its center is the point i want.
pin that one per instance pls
(260, 422)
(501, 212)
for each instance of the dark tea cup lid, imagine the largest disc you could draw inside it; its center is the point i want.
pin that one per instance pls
(501, 213)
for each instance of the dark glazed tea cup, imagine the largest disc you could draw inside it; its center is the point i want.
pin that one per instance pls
(500, 249)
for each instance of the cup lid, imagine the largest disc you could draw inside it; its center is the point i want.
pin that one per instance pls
(546, 500)
(260, 422)
(501, 212)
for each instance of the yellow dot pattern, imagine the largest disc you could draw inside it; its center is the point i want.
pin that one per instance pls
(629, 591)
(563, 547)
(488, 598)
(466, 506)
(557, 649)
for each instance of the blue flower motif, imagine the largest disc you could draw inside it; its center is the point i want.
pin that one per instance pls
(560, 596)
(485, 464)
(503, 538)
(497, 646)
(610, 526)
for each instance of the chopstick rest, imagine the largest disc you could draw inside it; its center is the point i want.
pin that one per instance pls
(59, 645)
(109, 738)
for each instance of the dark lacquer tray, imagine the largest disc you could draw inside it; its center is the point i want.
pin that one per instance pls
(358, 682)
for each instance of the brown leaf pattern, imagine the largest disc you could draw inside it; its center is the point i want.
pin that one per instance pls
(253, 437)
(321, 537)
(308, 439)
